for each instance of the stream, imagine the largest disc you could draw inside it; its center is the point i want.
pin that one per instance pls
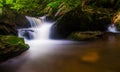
(101, 55)
(46, 55)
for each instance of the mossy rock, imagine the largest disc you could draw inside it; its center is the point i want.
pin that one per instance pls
(11, 46)
(87, 35)
(88, 19)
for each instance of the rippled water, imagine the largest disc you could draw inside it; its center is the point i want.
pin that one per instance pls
(102, 55)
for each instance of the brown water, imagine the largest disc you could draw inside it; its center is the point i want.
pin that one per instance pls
(101, 55)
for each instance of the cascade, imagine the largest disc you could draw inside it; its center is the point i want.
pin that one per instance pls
(40, 29)
(112, 28)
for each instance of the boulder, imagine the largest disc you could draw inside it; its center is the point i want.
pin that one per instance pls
(11, 46)
(11, 22)
(88, 19)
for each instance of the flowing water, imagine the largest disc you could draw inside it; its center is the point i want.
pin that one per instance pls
(101, 55)
(39, 30)
(45, 55)
(112, 28)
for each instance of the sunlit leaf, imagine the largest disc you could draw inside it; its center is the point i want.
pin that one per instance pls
(9, 1)
(17, 6)
(1, 1)
(1, 5)
(54, 4)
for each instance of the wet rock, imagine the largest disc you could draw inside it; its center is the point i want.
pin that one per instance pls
(28, 34)
(87, 35)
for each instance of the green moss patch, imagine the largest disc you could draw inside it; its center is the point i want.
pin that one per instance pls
(11, 46)
(87, 35)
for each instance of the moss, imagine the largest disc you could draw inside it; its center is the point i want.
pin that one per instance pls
(88, 35)
(11, 46)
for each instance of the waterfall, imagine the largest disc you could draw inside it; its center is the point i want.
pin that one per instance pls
(40, 29)
(112, 28)
(34, 22)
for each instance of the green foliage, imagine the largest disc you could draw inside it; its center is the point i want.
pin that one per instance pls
(17, 6)
(9, 1)
(20, 6)
(1, 5)
(54, 4)
(60, 7)
(37, 7)
(73, 3)
(70, 3)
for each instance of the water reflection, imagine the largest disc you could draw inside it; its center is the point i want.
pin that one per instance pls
(111, 39)
(101, 55)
